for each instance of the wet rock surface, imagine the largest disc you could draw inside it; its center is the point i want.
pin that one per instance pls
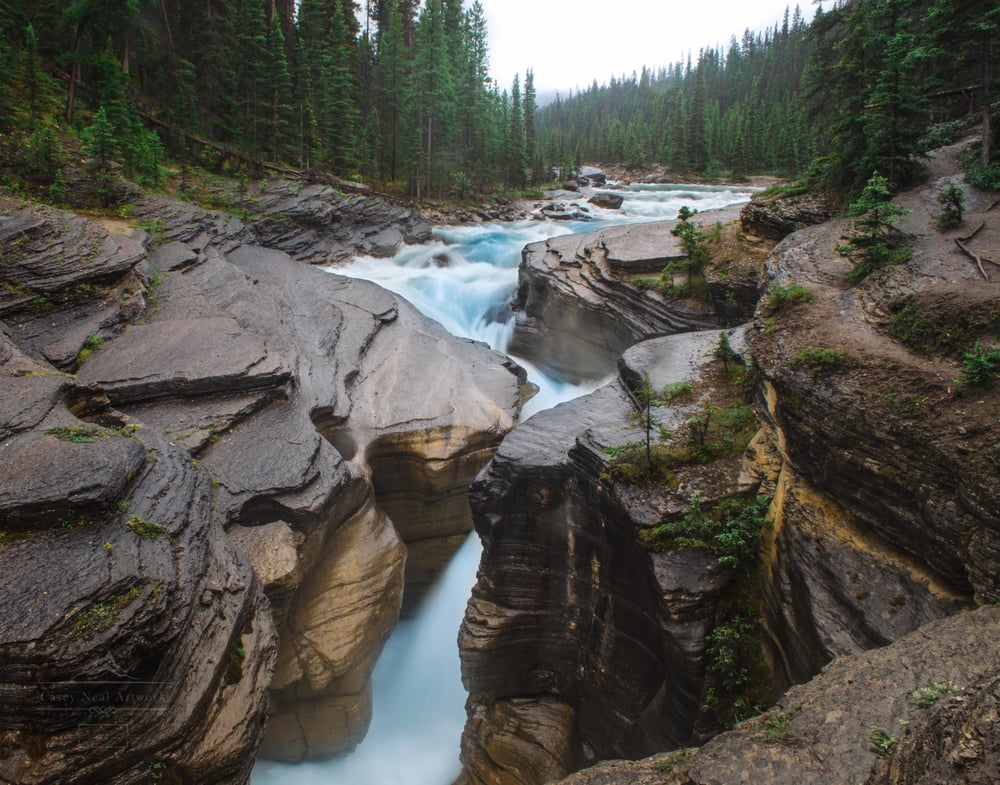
(881, 466)
(221, 386)
(834, 729)
(578, 643)
(577, 304)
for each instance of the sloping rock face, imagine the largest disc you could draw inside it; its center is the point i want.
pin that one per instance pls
(578, 643)
(134, 637)
(832, 730)
(775, 218)
(577, 305)
(883, 462)
(275, 384)
(311, 223)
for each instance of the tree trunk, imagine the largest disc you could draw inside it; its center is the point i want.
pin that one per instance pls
(74, 73)
(986, 157)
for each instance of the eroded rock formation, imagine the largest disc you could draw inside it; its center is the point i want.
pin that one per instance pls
(246, 392)
(882, 466)
(578, 307)
(834, 729)
(578, 643)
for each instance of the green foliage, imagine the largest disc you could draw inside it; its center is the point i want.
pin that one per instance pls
(234, 669)
(880, 741)
(821, 360)
(980, 175)
(952, 201)
(58, 188)
(780, 297)
(676, 390)
(94, 619)
(92, 342)
(80, 434)
(980, 366)
(735, 660)
(946, 332)
(875, 242)
(730, 530)
(724, 352)
(773, 725)
(148, 530)
(925, 697)
(693, 241)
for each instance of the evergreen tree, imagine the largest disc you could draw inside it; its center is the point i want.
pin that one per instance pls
(966, 32)
(530, 123)
(433, 99)
(517, 161)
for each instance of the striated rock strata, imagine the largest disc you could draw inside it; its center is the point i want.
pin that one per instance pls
(831, 730)
(578, 308)
(578, 643)
(883, 462)
(317, 418)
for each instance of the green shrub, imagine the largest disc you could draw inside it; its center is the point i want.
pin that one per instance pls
(780, 297)
(730, 530)
(925, 697)
(980, 366)
(952, 201)
(145, 529)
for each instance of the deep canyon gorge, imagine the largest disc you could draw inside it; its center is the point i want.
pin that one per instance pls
(216, 509)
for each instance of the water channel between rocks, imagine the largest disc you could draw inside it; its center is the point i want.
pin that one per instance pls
(463, 281)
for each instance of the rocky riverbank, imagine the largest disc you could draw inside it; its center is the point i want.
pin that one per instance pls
(881, 468)
(193, 427)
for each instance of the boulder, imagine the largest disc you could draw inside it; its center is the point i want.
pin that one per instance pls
(607, 201)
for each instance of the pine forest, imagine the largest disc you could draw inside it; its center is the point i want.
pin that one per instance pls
(398, 94)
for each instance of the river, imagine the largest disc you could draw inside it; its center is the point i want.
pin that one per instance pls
(463, 281)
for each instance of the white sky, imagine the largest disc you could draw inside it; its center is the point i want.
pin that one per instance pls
(569, 43)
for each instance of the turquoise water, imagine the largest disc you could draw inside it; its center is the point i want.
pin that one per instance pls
(463, 281)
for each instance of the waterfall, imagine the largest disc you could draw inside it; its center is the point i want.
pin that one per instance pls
(464, 282)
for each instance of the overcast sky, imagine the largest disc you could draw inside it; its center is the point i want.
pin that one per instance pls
(569, 43)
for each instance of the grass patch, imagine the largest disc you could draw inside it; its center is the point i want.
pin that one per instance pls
(92, 343)
(820, 360)
(780, 297)
(86, 433)
(948, 332)
(79, 434)
(773, 726)
(148, 530)
(925, 697)
(95, 619)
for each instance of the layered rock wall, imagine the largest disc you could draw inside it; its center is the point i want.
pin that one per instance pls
(578, 643)
(274, 386)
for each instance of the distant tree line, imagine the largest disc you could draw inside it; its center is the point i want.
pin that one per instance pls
(869, 85)
(399, 94)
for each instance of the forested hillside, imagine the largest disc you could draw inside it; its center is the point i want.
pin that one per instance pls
(400, 96)
(867, 85)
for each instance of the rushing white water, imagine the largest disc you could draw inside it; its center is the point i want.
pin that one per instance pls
(419, 702)
(464, 281)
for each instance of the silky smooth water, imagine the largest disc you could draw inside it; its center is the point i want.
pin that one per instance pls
(464, 280)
